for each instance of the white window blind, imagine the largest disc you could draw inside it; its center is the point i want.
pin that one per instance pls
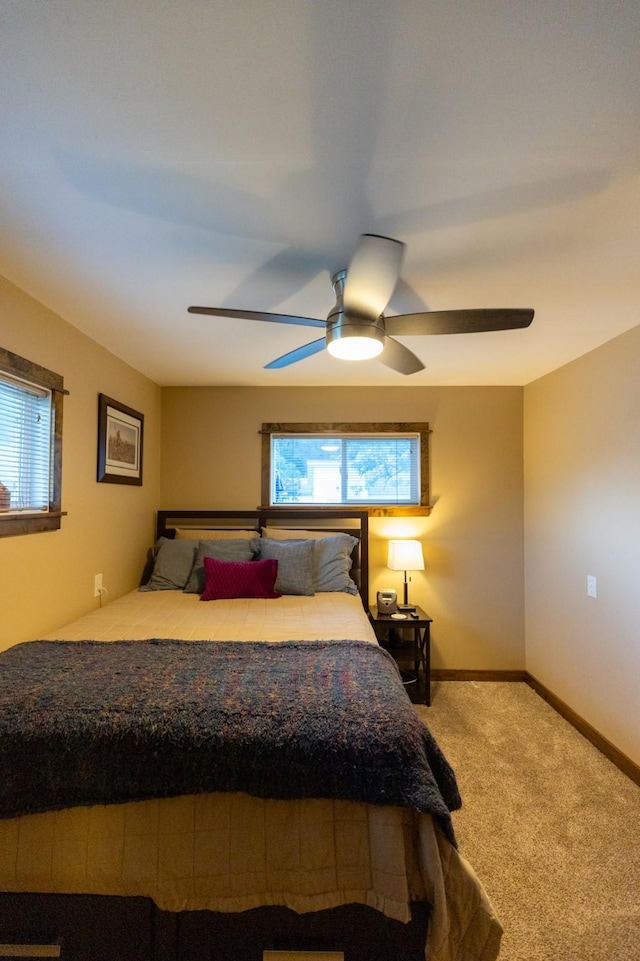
(25, 444)
(345, 469)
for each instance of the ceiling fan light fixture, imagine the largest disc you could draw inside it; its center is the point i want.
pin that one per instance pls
(353, 338)
(355, 348)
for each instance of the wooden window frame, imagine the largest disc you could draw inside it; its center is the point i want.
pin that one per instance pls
(383, 510)
(50, 520)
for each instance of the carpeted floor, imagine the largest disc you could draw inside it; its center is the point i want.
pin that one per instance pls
(550, 826)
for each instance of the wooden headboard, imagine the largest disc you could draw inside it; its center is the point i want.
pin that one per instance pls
(352, 522)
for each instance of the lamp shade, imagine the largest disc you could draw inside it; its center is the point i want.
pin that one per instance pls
(405, 556)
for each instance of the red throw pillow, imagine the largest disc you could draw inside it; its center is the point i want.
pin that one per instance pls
(227, 579)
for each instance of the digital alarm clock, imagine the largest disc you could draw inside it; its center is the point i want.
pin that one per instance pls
(387, 602)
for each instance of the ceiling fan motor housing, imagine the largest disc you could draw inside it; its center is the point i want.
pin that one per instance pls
(342, 325)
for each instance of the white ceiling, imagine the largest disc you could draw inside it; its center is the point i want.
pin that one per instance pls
(160, 153)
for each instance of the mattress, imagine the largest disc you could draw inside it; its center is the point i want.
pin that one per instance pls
(233, 852)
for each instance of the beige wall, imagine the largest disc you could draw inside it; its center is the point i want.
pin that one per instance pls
(473, 539)
(582, 516)
(47, 579)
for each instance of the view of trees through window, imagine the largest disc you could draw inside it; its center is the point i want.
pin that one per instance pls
(345, 469)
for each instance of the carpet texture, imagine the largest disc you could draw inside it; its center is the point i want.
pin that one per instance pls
(551, 827)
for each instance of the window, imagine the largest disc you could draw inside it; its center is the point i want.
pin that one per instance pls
(383, 467)
(30, 446)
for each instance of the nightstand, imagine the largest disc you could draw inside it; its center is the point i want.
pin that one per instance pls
(408, 641)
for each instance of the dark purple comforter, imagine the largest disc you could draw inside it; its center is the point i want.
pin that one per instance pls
(87, 722)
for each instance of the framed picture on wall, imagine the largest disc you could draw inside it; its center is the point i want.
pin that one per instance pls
(120, 439)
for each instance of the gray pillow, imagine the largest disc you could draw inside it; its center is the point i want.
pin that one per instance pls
(172, 565)
(295, 564)
(222, 550)
(332, 563)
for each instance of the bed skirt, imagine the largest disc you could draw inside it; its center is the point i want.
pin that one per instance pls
(234, 853)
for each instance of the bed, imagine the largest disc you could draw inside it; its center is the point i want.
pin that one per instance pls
(130, 827)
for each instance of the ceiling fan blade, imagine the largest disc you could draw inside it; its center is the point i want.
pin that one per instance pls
(258, 315)
(458, 321)
(372, 275)
(300, 353)
(399, 357)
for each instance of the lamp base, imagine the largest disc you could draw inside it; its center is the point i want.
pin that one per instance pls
(406, 607)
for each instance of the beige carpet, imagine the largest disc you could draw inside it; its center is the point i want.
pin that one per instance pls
(550, 826)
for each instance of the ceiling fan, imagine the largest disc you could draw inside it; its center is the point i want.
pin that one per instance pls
(356, 328)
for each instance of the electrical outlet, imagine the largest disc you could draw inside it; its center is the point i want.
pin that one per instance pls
(592, 586)
(97, 585)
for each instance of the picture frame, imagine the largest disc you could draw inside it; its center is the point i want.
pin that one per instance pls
(120, 442)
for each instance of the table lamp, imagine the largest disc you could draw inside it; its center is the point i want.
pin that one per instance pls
(405, 556)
